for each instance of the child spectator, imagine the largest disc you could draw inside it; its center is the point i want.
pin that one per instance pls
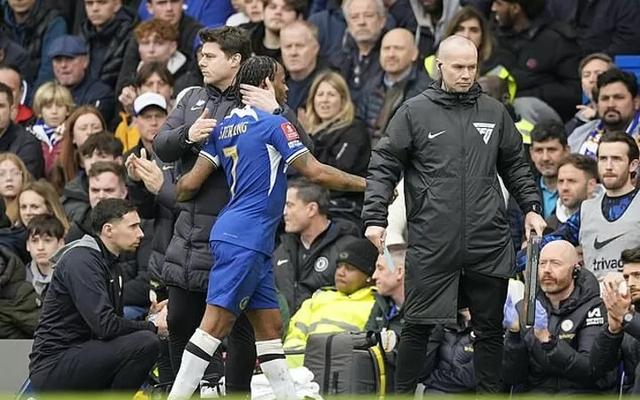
(52, 105)
(345, 307)
(37, 198)
(45, 235)
(13, 176)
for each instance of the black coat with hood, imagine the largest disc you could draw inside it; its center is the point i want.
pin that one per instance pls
(107, 47)
(162, 209)
(188, 259)
(561, 365)
(544, 60)
(133, 266)
(84, 302)
(297, 278)
(450, 148)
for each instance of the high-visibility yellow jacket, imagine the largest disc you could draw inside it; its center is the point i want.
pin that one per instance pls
(127, 133)
(327, 311)
(499, 71)
(525, 127)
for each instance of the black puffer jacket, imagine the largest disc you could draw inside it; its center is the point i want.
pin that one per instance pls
(19, 303)
(450, 148)
(107, 47)
(162, 209)
(452, 362)
(563, 364)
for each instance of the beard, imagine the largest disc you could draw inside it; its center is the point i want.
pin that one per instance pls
(611, 183)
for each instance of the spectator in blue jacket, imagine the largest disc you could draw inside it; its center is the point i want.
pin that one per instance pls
(210, 13)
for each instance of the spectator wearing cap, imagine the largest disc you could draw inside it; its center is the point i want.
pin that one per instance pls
(71, 67)
(343, 308)
(34, 27)
(107, 31)
(150, 111)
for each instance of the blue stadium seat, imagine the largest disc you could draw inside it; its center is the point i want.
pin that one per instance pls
(630, 64)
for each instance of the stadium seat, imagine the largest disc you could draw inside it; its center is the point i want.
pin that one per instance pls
(630, 64)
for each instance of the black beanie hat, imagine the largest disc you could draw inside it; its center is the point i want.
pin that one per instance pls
(361, 254)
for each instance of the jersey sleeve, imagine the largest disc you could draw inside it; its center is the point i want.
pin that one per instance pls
(209, 150)
(285, 138)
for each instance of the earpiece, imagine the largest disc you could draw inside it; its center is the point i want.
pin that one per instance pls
(576, 271)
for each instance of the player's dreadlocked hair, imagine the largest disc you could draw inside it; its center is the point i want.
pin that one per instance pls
(253, 72)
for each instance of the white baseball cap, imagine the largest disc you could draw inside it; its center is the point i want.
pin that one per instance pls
(148, 99)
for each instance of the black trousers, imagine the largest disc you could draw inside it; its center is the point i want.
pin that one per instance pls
(186, 310)
(485, 297)
(121, 364)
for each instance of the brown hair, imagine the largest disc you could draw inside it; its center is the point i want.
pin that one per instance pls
(13, 212)
(164, 31)
(68, 162)
(595, 56)
(116, 168)
(347, 114)
(464, 14)
(147, 70)
(45, 190)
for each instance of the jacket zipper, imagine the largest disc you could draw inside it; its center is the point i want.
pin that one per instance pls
(463, 189)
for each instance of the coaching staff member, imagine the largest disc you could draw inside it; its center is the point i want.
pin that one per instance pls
(451, 142)
(83, 342)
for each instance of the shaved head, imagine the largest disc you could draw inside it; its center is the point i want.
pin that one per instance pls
(458, 63)
(398, 52)
(399, 35)
(456, 46)
(555, 271)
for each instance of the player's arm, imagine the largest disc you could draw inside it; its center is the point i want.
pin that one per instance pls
(189, 184)
(327, 176)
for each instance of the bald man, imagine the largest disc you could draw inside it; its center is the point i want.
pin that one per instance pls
(402, 79)
(450, 143)
(553, 356)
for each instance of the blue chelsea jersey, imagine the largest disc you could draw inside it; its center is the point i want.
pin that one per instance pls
(253, 148)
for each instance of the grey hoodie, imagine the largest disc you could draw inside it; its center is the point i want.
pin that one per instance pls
(449, 7)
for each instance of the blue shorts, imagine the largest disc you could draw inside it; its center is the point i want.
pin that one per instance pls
(241, 279)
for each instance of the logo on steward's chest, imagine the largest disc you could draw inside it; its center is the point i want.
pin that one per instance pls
(485, 130)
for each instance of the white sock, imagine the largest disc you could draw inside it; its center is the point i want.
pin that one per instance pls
(195, 359)
(274, 365)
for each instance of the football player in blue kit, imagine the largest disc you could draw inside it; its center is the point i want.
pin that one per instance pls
(254, 149)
